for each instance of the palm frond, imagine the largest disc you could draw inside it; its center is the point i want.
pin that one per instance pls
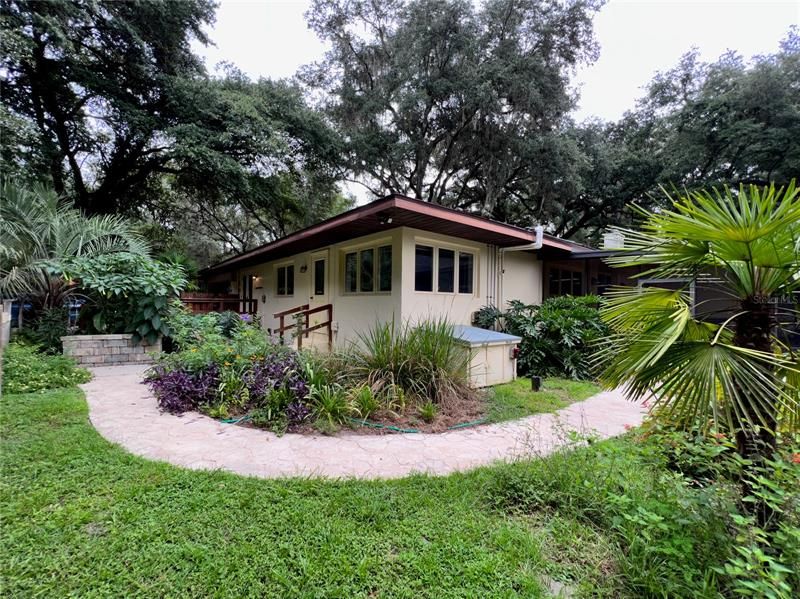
(693, 369)
(753, 236)
(40, 231)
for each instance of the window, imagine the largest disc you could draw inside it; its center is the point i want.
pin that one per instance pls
(364, 272)
(423, 268)
(385, 268)
(604, 281)
(565, 282)
(454, 270)
(447, 271)
(351, 272)
(466, 272)
(285, 280)
(319, 277)
(367, 270)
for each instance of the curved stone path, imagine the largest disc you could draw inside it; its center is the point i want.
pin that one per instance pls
(124, 412)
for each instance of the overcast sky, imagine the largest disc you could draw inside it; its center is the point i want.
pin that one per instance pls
(269, 38)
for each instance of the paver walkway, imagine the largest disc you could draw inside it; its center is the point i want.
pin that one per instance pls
(123, 411)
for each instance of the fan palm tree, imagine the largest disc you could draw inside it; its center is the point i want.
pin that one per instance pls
(40, 232)
(737, 375)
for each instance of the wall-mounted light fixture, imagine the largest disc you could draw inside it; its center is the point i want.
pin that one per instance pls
(258, 282)
(384, 218)
(304, 268)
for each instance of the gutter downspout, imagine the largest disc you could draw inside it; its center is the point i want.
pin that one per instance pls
(538, 241)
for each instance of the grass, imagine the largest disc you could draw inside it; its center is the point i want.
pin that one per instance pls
(513, 400)
(82, 517)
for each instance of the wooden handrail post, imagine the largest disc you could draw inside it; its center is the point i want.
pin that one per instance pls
(330, 327)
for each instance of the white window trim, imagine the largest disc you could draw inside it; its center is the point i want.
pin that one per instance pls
(475, 252)
(357, 249)
(275, 268)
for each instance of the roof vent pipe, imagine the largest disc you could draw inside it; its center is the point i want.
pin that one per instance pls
(538, 240)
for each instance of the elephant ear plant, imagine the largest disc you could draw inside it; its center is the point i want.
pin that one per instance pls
(736, 374)
(128, 293)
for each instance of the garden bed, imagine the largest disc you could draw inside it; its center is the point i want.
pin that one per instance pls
(397, 379)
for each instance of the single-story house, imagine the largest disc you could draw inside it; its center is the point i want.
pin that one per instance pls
(393, 259)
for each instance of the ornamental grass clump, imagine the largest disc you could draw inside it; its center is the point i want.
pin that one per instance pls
(424, 360)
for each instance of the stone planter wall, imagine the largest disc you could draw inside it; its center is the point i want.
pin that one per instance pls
(108, 350)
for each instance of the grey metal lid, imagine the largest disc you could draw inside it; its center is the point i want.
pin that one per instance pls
(477, 336)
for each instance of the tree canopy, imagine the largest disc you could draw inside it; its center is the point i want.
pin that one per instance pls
(728, 121)
(459, 103)
(108, 102)
(453, 103)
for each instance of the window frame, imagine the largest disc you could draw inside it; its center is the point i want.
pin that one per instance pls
(285, 268)
(575, 275)
(458, 251)
(451, 280)
(458, 273)
(434, 261)
(375, 248)
(314, 262)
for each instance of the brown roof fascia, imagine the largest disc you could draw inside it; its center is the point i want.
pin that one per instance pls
(403, 203)
(334, 221)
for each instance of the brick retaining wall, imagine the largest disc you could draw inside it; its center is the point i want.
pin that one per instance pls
(107, 350)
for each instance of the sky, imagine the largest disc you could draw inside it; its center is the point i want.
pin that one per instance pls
(269, 38)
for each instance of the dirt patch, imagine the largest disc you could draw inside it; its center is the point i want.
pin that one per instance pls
(471, 410)
(455, 412)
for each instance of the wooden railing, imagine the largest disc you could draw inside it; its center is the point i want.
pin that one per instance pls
(303, 312)
(203, 303)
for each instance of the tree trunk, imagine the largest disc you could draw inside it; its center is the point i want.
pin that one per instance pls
(756, 440)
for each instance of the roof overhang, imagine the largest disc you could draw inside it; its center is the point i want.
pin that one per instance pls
(386, 214)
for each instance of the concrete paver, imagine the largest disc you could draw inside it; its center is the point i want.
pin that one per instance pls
(125, 412)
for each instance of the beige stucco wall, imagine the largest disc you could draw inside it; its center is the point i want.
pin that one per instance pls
(522, 278)
(354, 313)
(455, 307)
(351, 312)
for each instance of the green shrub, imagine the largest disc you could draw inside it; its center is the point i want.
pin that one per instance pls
(364, 402)
(216, 338)
(47, 329)
(27, 370)
(128, 293)
(424, 361)
(682, 529)
(228, 368)
(557, 336)
(427, 411)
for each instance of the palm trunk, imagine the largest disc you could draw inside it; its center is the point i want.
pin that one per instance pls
(757, 443)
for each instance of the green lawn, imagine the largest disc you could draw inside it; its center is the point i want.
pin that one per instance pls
(82, 517)
(513, 400)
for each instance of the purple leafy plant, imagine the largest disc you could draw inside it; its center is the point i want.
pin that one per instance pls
(179, 390)
(297, 412)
